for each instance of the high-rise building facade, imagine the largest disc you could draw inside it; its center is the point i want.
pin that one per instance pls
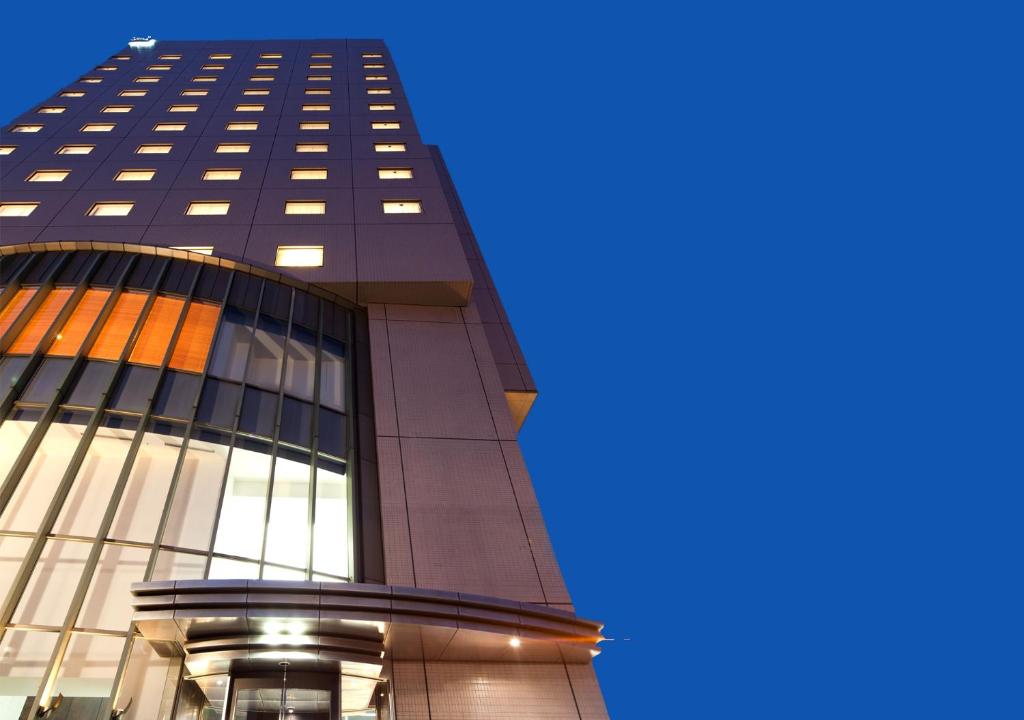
(259, 403)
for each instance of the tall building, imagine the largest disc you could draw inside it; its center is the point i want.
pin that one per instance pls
(259, 405)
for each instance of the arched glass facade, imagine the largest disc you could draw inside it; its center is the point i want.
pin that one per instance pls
(163, 419)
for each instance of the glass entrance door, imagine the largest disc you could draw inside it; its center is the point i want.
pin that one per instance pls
(285, 695)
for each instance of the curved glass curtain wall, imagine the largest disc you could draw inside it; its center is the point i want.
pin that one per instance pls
(162, 419)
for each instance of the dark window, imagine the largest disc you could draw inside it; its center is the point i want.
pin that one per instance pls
(177, 395)
(134, 388)
(213, 282)
(146, 272)
(245, 291)
(219, 403)
(9, 265)
(298, 373)
(296, 422)
(92, 382)
(276, 299)
(331, 432)
(267, 354)
(258, 409)
(111, 269)
(232, 345)
(304, 312)
(179, 277)
(10, 372)
(48, 377)
(74, 270)
(40, 270)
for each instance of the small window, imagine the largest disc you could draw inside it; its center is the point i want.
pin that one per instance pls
(194, 93)
(378, 91)
(182, 108)
(208, 208)
(372, 78)
(133, 93)
(402, 207)
(389, 147)
(169, 57)
(107, 68)
(262, 78)
(381, 106)
(201, 249)
(316, 108)
(318, 91)
(323, 125)
(373, 66)
(233, 147)
(48, 176)
(321, 55)
(120, 57)
(220, 56)
(204, 78)
(242, 126)
(51, 110)
(305, 207)
(75, 149)
(134, 175)
(153, 149)
(271, 56)
(117, 109)
(8, 149)
(19, 209)
(158, 68)
(371, 56)
(249, 108)
(212, 67)
(147, 79)
(73, 93)
(267, 66)
(318, 78)
(394, 173)
(309, 173)
(299, 256)
(110, 209)
(321, 66)
(222, 174)
(311, 147)
(98, 127)
(26, 128)
(91, 80)
(170, 127)
(388, 125)
(256, 91)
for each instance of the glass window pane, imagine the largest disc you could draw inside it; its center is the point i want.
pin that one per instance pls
(288, 530)
(12, 309)
(332, 374)
(298, 374)
(177, 395)
(172, 565)
(38, 484)
(232, 347)
(296, 422)
(331, 432)
(118, 327)
(45, 382)
(330, 524)
(88, 670)
(240, 527)
(77, 327)
(193, 344)
(223, 568)
(13, 436)
(272, 572)
(135, 388)
(11, 369)
(145, 494)
(219, 403)
(194, 509)
(150, 680)
(155, 338)
(92, 382)
(12, 552)
(258, 410)
(89, 495)
(45, 315)
(24, 655)
(108, 601)
(47, 596)
(267, 354)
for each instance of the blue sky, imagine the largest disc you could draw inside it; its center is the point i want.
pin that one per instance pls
(757, 262)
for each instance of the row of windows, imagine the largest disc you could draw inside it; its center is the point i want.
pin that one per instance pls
(222, 148)
(147, 79)
(111, 208)
(94, 80)
(229, 56)
(220, 174)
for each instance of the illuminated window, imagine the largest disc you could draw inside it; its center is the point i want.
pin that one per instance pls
(153, 149)
(318, 78)
(169, 57)
(195, 338)
(97, 127)
(48, 176)
(242, 126)
(371, 78)
(19, 209)
(41, 320)
(110, 209)
(133, 93)
(249, 108)
(117, 109)
(309, 173)
(147, 79)
(222, 174)
(322, 125)
(75, 149)
(233, 147)
(194, 93)
(158, 68)
(388, 125)
(318, 91)
(107, 68)
(208, 208)
(321, 55)
(220, 56)
(70, 338)
(402, 207)
(212, 67)
(370, 56)
(373, 66)
(305, 207)
(119, 326)
(394, 173)
(120, 57)
(90, 80)
(256, 91)
(7, 149)
(267, 66)
(311, 147)
(73, 93)
(204, 78)
(378, 91)
(170, 127)
(299, 256)
(316, 108)
(51, 110)
(26, 128)
(382, 106)
(262, 78)
(134, 175)
(155, 338)
(389, 147)
(321, 66)
(271, 56)
(182, 108)
(201, 249)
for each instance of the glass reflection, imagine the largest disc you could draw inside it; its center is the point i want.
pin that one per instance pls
(240, 527)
